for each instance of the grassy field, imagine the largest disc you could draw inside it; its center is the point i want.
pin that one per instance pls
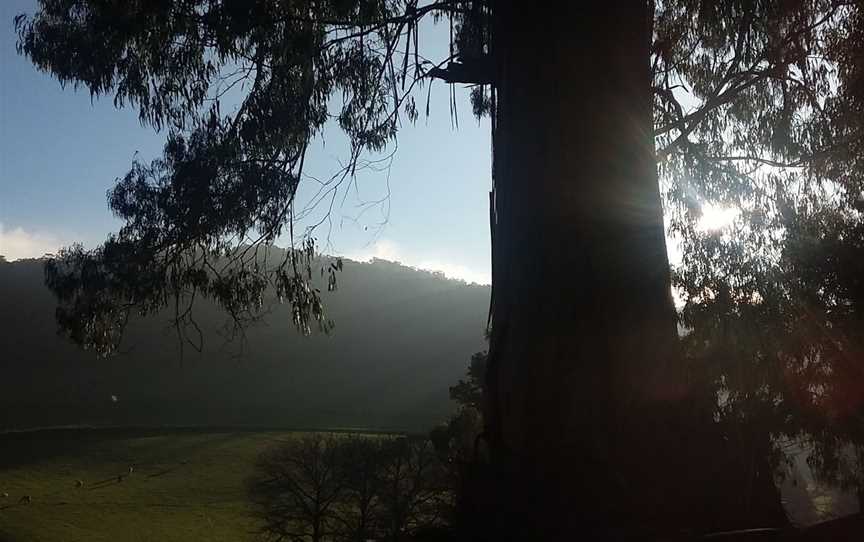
(186, 485)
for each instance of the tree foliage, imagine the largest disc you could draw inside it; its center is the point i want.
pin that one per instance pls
(753, 100)
(758, 108)
(198, 221)
(469, 393)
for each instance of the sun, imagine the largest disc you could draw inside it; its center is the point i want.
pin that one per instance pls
(715, 218)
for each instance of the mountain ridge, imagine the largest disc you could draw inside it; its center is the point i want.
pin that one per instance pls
(402, 336)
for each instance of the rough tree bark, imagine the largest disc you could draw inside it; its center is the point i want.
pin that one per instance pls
(583, 359)
(592, 419)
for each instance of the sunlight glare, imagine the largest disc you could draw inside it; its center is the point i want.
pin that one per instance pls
(715, 218)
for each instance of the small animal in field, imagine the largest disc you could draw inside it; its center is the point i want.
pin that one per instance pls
(130, 469)
(26, 499)
(79, 483)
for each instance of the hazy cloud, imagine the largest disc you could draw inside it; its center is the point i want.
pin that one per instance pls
(16, 244)
(385, 249)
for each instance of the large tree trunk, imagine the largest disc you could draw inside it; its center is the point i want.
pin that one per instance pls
(583, 362)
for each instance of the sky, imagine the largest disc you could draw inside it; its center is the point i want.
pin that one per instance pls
(60, 152)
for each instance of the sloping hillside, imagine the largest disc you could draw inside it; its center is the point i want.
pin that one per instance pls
(402, 337)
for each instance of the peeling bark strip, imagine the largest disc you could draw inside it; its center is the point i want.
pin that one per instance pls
(583, 343)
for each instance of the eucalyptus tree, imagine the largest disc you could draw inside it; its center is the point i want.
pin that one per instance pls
(600, 112)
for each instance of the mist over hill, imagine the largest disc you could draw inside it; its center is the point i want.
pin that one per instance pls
(402, 336)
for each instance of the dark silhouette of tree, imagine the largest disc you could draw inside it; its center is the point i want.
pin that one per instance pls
(352, 488)
(469, 393)
(739, 103)
(414, 491)
(458, 441)
(297, 489)
(781, 338)
(361, 514)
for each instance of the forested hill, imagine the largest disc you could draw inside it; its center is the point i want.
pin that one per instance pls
(402, 337)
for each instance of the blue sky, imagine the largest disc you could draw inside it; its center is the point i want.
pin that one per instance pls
(60, 153)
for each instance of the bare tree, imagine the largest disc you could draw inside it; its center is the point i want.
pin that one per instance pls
(361, 511)
(297, 489)
(352, 488)
(415, 491)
